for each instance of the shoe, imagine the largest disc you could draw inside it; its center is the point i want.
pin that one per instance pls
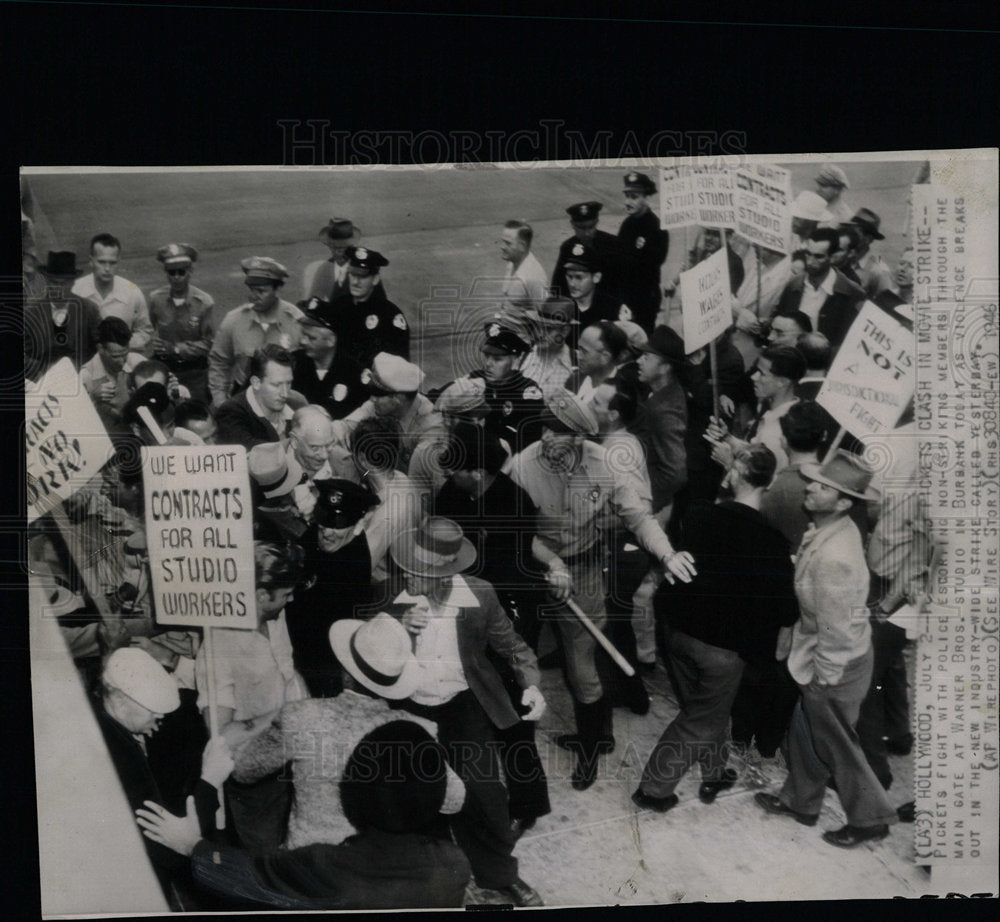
(772, 804)
(849, 836)
(519, 826)
(710, 789)
(907, 812)
(899, 747)
(520, 894)
(659, 804)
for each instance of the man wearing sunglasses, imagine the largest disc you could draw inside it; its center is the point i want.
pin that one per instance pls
(182, 320)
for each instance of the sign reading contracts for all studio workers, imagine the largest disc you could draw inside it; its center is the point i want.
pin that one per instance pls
(872, 377)
(763, 210)
(705, 301)
(696, 195)
(64, 439)
(199, 532)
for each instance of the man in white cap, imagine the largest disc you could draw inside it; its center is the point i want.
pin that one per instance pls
(182, 320)
(264, 320)
(831, 181)
(575, 486)
(394, 386)
(831, 660)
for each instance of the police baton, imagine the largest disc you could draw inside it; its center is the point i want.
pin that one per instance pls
(609, 648)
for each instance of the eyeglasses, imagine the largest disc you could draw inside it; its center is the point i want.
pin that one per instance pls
(177, 272)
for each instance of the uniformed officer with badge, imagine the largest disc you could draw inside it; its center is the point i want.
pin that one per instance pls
(264, 320)
(584, 272)
(515, 402)
(182, 320)
(370, 323)
(324, 373)
(644, 248)
(583, 219)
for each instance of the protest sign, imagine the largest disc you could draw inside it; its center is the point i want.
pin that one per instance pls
(705, 301)
(199, 531)
(676, 198)
(762, 199)
(872, 377)
(65, 441)
(713, 190)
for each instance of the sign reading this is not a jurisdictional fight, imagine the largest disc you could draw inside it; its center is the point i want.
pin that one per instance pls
(705, 301)
(199, 531)
(872, 377)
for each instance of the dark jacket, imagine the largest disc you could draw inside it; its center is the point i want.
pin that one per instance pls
(45, 343)
(660, 426)
(608, 248)
(516, 408)
(239, 425)
(339, 392)
(745, 587)
(838, 311)
(375, 326)
(644, 248)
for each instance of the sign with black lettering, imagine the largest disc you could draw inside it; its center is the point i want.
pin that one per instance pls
(705, 301)
(872, 377)
(763, 205)
(199, 531)
(64, 439)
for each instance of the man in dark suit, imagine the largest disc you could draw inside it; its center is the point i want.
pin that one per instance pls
(583, 219)
(327, 279)
(827, 297)
(261, 412)
(324, 374)
(644, 248)
(743, 594)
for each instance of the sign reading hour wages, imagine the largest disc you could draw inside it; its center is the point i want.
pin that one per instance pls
(705, 301)
(199, 532)
(872, 377)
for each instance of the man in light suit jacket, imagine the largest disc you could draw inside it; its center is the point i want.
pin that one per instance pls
(831, 660)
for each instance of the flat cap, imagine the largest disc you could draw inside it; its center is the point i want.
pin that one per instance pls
(135, 673)
(392, 374)
(639, 182)
(583, 256)
(342, 503)
(274, 469)
(567, 413)
(177, 254)
(263, 268)
(584, 212)
(502, 340)
(463, 395)
(666, 343)
(363, 258)
(832, 175)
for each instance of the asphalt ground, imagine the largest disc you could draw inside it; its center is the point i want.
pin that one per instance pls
(438, 228)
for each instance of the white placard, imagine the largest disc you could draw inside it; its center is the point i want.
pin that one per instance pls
(763, 205)
(705, 301)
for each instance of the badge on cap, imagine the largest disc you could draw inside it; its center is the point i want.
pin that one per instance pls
(399, 322)
(366, 377)
(595, 494)
(584, 211)
(632, 177)
(335, 498)
(361, 253)
(371, 321)
(578, 250)
(494, 330)
(340, 391)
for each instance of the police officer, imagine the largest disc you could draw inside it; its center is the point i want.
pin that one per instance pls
(644, 249)
(369, 321)
(574, 485)
(182, 320)
(264, 320)
(515, 402)
(324, 373)
(583, 219)
(584, 271)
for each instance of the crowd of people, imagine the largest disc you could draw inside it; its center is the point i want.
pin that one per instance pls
(589, 484)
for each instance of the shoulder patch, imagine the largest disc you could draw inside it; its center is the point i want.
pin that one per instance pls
(532, 393)
(399, 322)
(625, 312)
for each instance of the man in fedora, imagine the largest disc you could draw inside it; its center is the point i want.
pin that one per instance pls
(452, 620)
(644, 247)
(326, 279)
(831, 660)
(583, 218)
(274, 474)
(873, 273)
(182, 319)
(58, 324)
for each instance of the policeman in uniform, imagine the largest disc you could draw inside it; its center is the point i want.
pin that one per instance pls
(583, 219)
(575, 485)
(370, 322)
(324, 373)
(584, 272)
(515, 402)
(644, 250)
(182, 320)
(264, 320)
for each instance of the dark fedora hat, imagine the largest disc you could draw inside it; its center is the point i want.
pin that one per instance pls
(869, 222)
(437, 548)
(61, 264)
(340, 230)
